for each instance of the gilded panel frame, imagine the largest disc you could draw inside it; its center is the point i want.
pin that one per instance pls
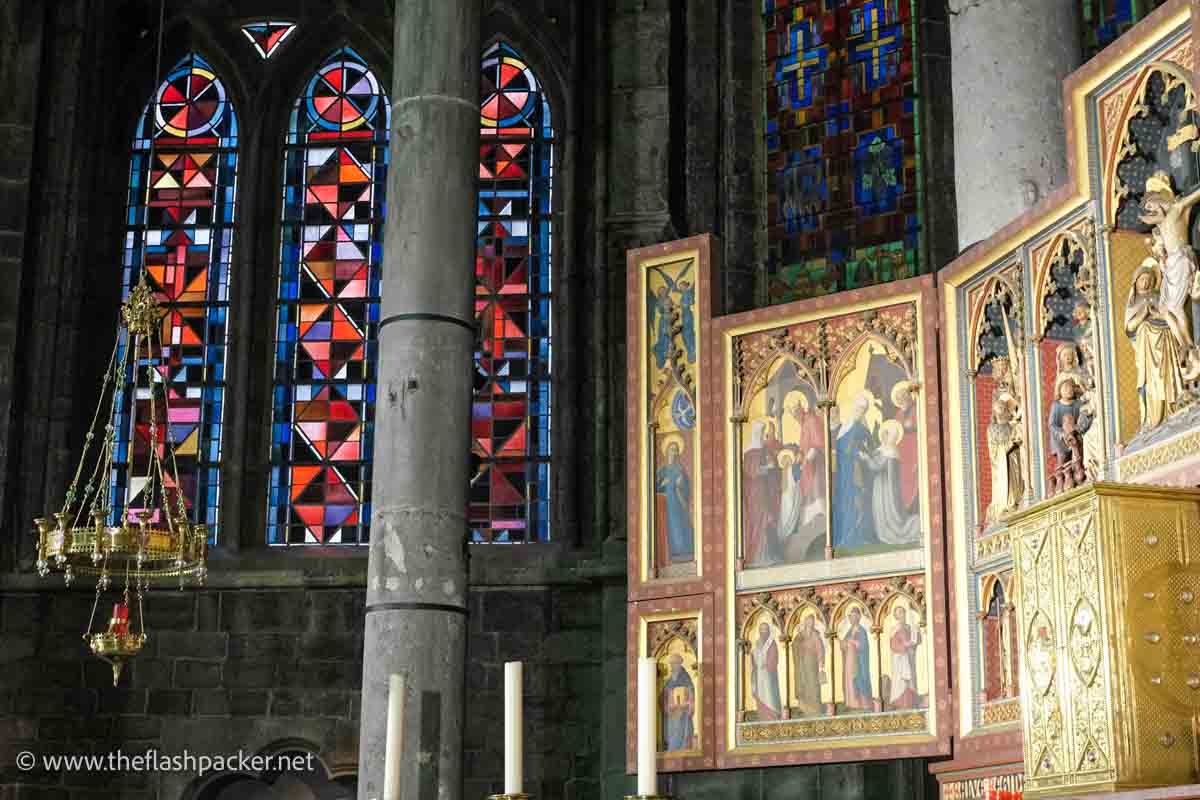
(643, 584)
(646, 637)
(853, 744)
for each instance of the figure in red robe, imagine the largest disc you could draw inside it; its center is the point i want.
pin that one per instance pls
(764, 674)
(903, 644)
(761, 490)
(906, 415)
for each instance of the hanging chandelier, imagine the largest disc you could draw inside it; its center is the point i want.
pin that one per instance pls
(131, 546)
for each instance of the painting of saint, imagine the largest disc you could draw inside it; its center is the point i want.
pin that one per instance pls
(687, 299)
(856, 664)
(904, 401)
(671, 481)
(808, 658)
(677, 705)
(894, 523)
(764, 674)
(761, 495)
(672, 462)
(783, 472)
(802, 517)
(902, 646)
(997, 683)
(671, 295)
(660, 310)
(851, 495)
(876, 434)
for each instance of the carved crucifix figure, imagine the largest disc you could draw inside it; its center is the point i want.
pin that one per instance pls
(1171, 217)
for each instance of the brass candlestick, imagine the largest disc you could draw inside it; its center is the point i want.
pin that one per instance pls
(510, 797)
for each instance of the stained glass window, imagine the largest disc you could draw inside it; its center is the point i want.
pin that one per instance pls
(509, 500)
(1105, 20)
(179, 232)
(268, 36)
(843, 168)
(335, 163)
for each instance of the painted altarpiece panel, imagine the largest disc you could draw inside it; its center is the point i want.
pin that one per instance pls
(669, 301)
(678, 633)
(1066, 277)
(827, 487)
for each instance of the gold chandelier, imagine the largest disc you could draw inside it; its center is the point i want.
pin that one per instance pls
(152, 542)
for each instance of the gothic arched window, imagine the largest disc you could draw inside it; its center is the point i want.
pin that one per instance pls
(844, 200)
(510, 431)
(323, 403)
(179, 233)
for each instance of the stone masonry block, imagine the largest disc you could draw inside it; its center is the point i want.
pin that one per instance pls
(572, 646)
(263, 611)
(331, 646)
(523, 611)
(170, 610)
(248, 702)
(197, 674)
(151, 673)
(123, 701)
(263, 646)
(245, 674)
(170, 702)
(211, 702)
(191, 644)
(334, 611)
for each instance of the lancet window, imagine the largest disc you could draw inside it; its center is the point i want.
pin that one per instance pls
(327, 311)
(179, 236)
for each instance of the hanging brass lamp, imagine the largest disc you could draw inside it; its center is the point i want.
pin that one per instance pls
(132, 545)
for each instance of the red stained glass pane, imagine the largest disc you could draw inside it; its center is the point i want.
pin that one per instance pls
(511, 426)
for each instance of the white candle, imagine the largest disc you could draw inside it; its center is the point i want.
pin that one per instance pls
(514, 750)
(647, 728)
(395, 738)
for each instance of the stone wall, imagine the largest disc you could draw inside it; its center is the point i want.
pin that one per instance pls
(222, 671)
(229, 669)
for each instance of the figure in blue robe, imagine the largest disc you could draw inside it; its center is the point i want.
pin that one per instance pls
(851, 497)
(857, 670)
(662, 304)
(687, 300)
(659, 305)
(678, 705)
(672, 481)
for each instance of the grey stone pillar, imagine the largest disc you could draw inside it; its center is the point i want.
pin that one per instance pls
(1008, 60)
(416, 578)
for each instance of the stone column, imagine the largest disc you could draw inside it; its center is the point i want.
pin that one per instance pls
(1008, 61)
(416, 577)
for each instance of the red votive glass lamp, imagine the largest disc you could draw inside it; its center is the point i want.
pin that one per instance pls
(119, 624)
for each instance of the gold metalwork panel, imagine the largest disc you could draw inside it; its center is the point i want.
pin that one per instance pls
(1109, 609)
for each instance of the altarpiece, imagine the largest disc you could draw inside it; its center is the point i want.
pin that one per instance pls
(823, 494)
